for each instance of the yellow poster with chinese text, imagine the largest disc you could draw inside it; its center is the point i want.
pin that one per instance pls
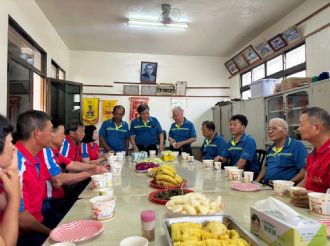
(90, 111)
(107, 108)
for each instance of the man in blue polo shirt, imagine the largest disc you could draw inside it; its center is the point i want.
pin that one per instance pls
(242, 148)
(286, 158)
(114, 133)
(145, 131)
(182, 132)
(214, 146)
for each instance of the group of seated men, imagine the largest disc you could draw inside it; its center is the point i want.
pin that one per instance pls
(50, 181)
(53, 168)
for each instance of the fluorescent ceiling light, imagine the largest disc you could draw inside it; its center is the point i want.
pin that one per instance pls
(156, 24)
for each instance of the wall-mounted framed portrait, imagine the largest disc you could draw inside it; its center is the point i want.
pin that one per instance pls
(148, 72)
(264, 49)
(240, 62)
(250, 55)
(231, 66)
(277, 42)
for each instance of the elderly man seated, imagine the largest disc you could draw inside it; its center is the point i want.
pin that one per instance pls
(285, 158)
(315, 128)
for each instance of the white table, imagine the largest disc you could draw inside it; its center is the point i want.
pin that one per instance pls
(132, 191)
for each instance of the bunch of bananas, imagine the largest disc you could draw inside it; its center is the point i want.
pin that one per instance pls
(166, 176)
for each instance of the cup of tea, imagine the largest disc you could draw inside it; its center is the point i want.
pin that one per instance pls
(99, 181)
(217, 165)
(103, 207)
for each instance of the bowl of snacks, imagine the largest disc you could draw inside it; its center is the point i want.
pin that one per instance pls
(163, 196)
(194, 204)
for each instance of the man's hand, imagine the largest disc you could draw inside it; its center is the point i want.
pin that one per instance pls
(300, 199)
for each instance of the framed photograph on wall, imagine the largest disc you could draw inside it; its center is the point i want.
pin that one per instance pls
(277, 42)
(291, 35)
(231, 66)
(148, 72)
(250, 55)
(240, 62)
(264, 49)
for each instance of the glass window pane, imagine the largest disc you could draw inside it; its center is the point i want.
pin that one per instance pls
(61, 74)
(275, 65)
(301, 74)
(38, 92)
(258, 72)
(19, 46)
(53, 71)
(246, 94)
(246, 79)
(295, 57)
(19, 90)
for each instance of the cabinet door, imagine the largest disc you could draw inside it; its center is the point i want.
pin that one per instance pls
(254, 110)
(225, 115)
(296, 103)
(275, 108)
(320, 92)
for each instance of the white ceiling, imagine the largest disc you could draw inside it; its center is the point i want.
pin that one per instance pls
(217, 27)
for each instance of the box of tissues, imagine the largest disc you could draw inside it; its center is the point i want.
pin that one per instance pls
(278, 224)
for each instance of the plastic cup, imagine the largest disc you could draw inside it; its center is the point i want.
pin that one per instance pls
(103, 207)
(217, 165)
(152, 153)
(281, 187)
(236, 174)
(191, 158)
(248, 177)
(319, 204)
(227, 168)
(99, 181)
(207, 164)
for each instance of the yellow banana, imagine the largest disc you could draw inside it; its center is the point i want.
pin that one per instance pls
(178, 179)
(166, 178)
(170, 167)
(167, 171)
(164, 183)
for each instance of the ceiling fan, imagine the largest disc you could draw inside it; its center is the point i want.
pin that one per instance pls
(169, 19)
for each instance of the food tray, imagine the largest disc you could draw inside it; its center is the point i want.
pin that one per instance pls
(227, 220)
(154, 199)
(153, 184)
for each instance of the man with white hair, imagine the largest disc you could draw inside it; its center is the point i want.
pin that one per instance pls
(182, 132)
(286, 158)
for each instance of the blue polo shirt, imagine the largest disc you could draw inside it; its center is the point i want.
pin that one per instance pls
(245, 149)
(145, 133)
(217, 147)
(284, 165)
(183, 132)
(115, 136)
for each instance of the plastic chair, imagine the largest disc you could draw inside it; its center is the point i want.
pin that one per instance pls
(261, 155)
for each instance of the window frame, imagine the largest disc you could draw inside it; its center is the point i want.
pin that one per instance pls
(280, 74)
(58, 69)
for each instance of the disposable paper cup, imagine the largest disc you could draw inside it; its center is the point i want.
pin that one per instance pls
(152, 153)
(208, 164)
(282, 187)
(217, 165)
(191, 158)
(227, 168)
(103, 207)
(175, 153)
(106, 192)
(295, 188)
(184, 156)
(248, 177)
(109, 179)
(99, 181)
(236, 174)
(319, 204)
(134, 241)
